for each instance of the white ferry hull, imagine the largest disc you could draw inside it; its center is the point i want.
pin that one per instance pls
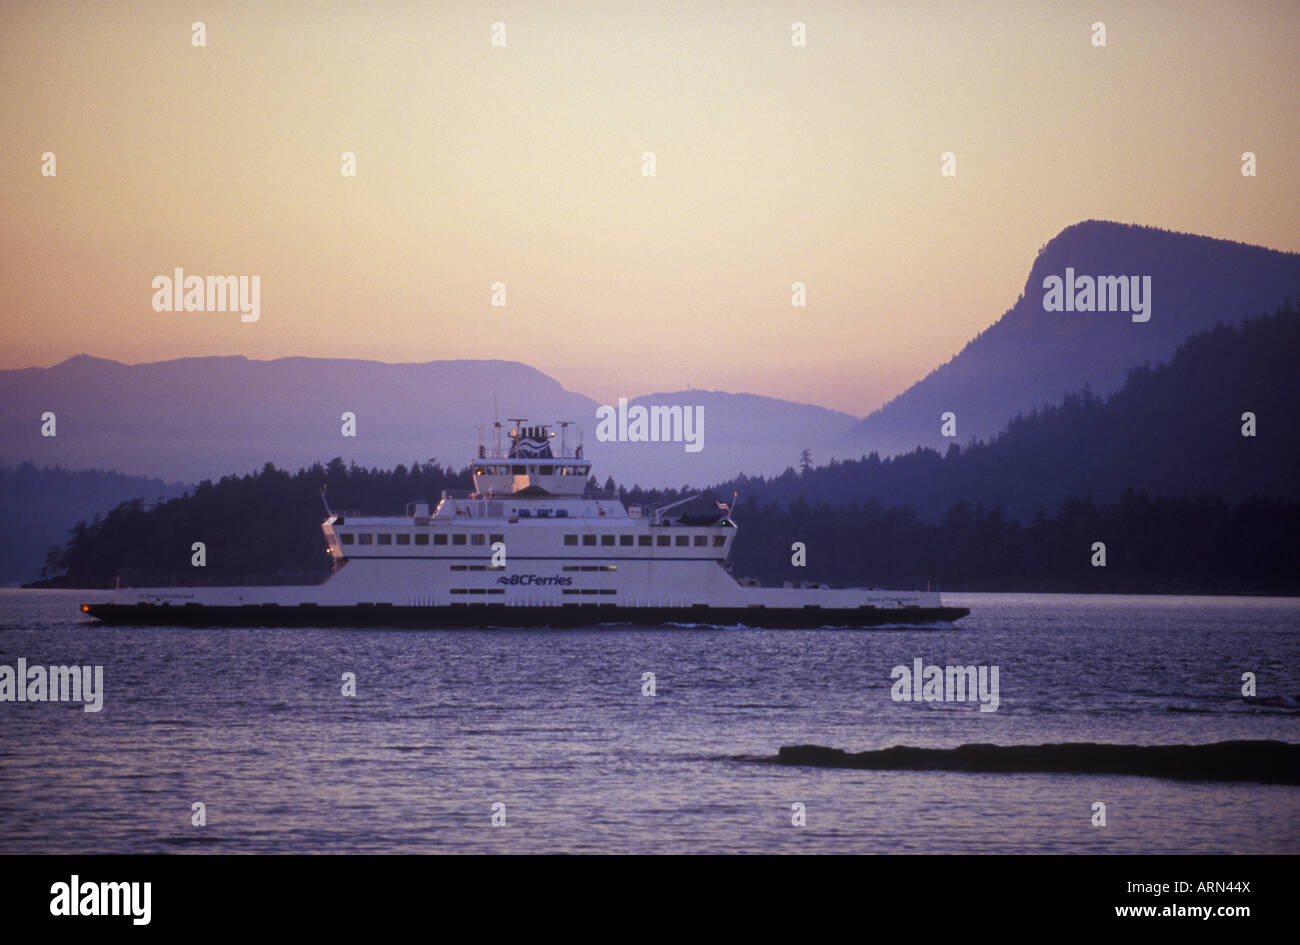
(413, 594)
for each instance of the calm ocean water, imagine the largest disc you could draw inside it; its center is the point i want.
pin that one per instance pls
(553, 725)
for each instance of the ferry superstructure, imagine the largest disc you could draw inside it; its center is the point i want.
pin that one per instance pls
(529, 546)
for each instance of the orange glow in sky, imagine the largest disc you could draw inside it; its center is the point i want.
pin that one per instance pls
(522, 164)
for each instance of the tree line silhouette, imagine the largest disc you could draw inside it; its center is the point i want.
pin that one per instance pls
(264, 528)
(38, 503)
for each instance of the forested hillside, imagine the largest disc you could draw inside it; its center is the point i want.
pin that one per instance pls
(1174, 430)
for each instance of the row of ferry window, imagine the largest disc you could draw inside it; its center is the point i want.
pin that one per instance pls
(460, 538)
(662, 541)
(519, 469)
(421, 538)
(591, 591)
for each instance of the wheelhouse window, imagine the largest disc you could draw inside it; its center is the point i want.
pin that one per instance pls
(458, 538)
(440, 539)
(423, 539)
(365, 538)
(403, 538)
(345, 538)
(385, 538)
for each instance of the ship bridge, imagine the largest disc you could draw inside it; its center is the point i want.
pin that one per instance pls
(532, 464)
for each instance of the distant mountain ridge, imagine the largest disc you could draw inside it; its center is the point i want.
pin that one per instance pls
(197, 418)
(1030, 357)
(1173, 430)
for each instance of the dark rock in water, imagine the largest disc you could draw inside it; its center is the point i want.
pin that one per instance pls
(1268, 762)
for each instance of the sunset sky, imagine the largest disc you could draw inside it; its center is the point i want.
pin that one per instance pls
(522, 164)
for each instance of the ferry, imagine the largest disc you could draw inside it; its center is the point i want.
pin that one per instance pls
(530, 546)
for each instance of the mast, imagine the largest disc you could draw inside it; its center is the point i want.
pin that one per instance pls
(514, 431)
